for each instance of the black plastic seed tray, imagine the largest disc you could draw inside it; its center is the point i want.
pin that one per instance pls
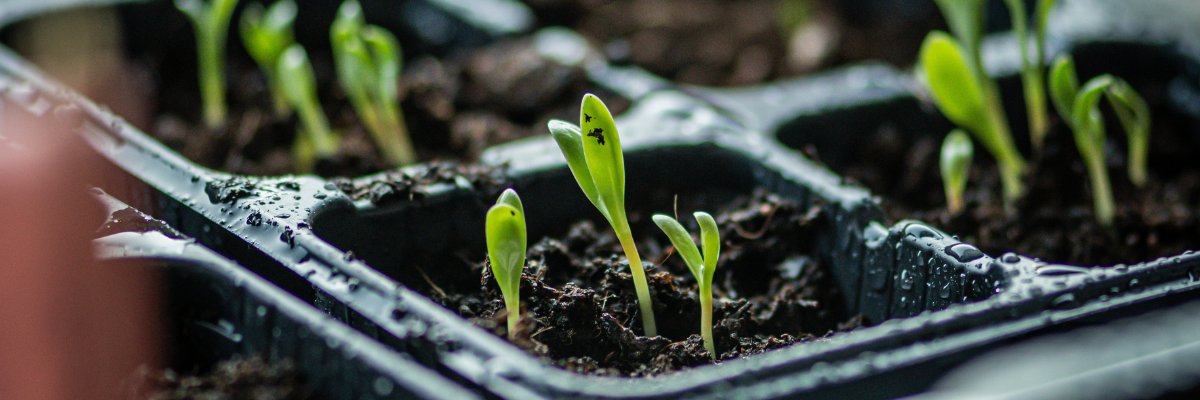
(219, 310)
(940, 301)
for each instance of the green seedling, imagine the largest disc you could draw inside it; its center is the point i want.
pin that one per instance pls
(1033, 70)
(266, 36)
(316, 140)
(367, 58)
(969, 99)
(598, 165)
(702, 267)
(506, 251)
(957, 152)
(1080, 107)
(210, 21)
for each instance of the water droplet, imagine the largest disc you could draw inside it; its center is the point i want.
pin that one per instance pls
(906, 280)
(383, 386)
(1135, 285)
(261, 311)
(1058, 269)
(944, 292)
(874, 234)
(1120, 268)
(1035, 291)
(1064, 301)
(330, 186)
(1194, 274)
(964, 252)
(921, 231)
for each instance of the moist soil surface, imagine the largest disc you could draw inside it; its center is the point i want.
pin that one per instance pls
(740, 42)
(239, 378)
(580, 311)
(453, 108)
(1054, 221)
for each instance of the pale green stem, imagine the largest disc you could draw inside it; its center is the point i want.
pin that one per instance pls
(394, 140)
(1035, 105)
(1102, 196)
(1012, 166)
(1137, 159)
(317, 128)
(706, 314)
(282, 107)
(212, 76)
(639, 278)
(513, 305)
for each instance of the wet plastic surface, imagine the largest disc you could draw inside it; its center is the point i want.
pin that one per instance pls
(218, 310)
(940, 301)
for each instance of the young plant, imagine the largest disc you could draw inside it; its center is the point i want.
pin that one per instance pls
(702, 267)
(266, 36)
(300, 89)
(957, 152)
(969, 98)
(598, 165)
(367, 58)
(506, 251)
(210, 21)
(1033, 71)
(1080, 107)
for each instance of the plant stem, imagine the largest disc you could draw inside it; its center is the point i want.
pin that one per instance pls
(639, 278)
(317, 128)
(394, 142)
(513, 305)
(1102, 197)
(706, 306)
(1035, 105)
(212, 76)
(1012, 165)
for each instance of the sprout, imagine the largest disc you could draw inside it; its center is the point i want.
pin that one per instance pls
(1080, 108)
(599, 168)
(266, 37)
(1032, 71)
(506, 251)
(702, 267)
(317, 141)
(957, 152)
(970, 99)
(211, 24)
(367, 58)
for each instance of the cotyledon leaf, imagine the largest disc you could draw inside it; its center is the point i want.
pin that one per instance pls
(570, 141)
(602, 150)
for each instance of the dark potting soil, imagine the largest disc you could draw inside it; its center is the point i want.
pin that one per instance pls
(579, 307)
(738, 42)
(453, 109)
(1054, 222)
(406, 185)
(235, 379)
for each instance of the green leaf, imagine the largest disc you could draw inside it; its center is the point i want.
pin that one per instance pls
(301, 90)
(1087, 115)
(506, 242)
(602, 150)
(956, 156)
(683, 245)
(965, 19)
(953, 83)
(1063, 87)
(1134, 114)
(710, 240)
(385, 57)
(570, 141)
(266, 36)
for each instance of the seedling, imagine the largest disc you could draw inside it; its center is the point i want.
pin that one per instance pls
(599, 167)
(957, 152)
(969, 99)
(317, 141)
(702, 267)
(210, 21)
(506, 251)
(1080, 107)
(367, 58)
(1033, 71)
(266, 37)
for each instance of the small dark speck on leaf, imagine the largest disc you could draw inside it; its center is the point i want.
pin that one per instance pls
(597, 133)
(587, 118)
